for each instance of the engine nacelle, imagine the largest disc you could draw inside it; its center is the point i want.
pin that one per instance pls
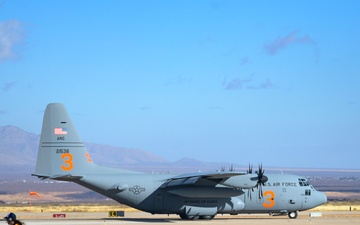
(245, 181)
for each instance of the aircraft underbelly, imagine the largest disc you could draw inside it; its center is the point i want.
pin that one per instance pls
(177, 204)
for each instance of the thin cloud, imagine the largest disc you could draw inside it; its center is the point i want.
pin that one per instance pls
(352, 103)
(8, 86)
(216, 108)
(179, 80)
(208, 39)
(11, 37)
(267, 84)
(249, 84)
(145, 108)
(2, 112)
(244, 61)
(282, 42)
(237, 83)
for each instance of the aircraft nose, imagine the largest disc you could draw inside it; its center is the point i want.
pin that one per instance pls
(321, 198)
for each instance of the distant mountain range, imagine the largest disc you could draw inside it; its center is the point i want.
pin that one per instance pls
(18, 150)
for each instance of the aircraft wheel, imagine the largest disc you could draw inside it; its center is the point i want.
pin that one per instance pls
(207, 217)
(187, 217)
(183, 216)
(293, 215)
(194, 217)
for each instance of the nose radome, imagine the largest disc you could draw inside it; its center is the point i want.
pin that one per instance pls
(321, 198)
(324, 198)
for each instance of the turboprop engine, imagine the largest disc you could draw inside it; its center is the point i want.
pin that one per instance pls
(249, 180)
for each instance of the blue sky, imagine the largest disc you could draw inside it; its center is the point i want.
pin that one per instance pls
(275, 82)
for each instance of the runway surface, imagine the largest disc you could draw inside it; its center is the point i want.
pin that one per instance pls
(78, 218)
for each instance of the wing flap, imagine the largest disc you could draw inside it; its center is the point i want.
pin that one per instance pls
(182, 181)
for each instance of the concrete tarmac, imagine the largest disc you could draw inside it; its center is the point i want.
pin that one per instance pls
(79, 218)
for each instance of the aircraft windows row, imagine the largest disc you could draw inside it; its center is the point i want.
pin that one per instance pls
(303, 182)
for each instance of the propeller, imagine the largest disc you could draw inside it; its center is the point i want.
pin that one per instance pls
(222, 169)
(250, 169)
(232, 169)
(261, 179)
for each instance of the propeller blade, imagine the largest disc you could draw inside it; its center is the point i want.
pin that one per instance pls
(261, 180)
(249, 193)
(260, 192)
(231, 169)
(250, 169)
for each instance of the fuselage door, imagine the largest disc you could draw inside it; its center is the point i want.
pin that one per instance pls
(307, 203)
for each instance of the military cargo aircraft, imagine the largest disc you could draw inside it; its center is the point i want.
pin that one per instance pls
(63, 156)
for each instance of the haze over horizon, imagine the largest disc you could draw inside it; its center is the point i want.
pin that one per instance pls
(227, 81)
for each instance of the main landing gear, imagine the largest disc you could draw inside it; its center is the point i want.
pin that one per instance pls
(293, 215)
(188, 217)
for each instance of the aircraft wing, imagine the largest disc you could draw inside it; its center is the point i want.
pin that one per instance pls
(209, 179)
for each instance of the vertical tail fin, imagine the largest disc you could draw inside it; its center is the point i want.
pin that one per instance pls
(61, 151)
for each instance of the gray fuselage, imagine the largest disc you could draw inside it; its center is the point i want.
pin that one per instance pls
(281, 193)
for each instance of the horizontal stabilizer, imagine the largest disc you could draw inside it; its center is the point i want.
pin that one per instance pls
(41, 176)
(66, 177)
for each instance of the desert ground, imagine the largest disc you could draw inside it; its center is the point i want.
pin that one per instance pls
(136, 217)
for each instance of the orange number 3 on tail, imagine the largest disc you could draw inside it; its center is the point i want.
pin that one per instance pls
(67, 157)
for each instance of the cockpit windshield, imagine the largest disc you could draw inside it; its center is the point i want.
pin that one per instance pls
(303, 182)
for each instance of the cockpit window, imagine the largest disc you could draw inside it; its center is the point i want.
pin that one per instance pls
(303, 182)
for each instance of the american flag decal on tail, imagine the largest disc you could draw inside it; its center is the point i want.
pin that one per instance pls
(60, 131)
